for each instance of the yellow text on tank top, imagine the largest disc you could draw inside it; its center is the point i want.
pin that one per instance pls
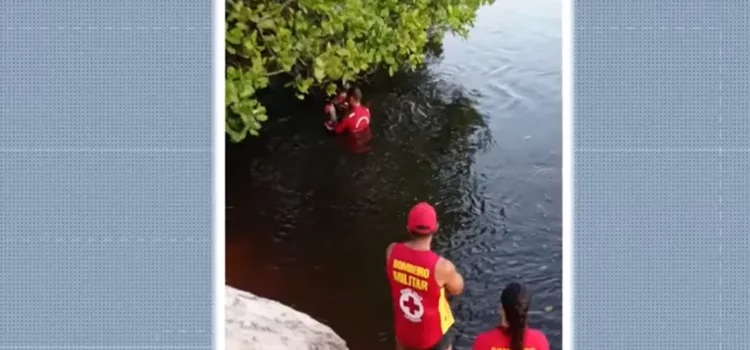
(410, 275)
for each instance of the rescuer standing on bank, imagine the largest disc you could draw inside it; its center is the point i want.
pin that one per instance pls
(419, 280)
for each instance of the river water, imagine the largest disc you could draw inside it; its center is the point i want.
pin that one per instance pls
(478, 134)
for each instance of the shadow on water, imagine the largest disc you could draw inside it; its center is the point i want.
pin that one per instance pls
(308, 221)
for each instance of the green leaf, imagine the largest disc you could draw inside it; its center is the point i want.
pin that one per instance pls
(303, 85)
(231, 93)
(319, 63)
(235, 136)
(331, 89)
(234, 36)
(247, 91)
(267, 23)
(319, 74)
(261, 82)
(254, 125)
(248, 44)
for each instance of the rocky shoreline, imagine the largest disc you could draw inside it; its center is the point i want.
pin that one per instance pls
(256, 323)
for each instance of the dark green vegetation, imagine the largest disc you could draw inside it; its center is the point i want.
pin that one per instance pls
(319, 43)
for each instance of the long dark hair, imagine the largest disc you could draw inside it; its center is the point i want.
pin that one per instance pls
(515, 301)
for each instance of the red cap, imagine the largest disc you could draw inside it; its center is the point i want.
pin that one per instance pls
(422, 219)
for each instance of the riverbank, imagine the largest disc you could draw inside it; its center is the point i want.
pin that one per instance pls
(253, 322)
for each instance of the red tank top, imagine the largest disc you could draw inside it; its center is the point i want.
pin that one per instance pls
(422, 314)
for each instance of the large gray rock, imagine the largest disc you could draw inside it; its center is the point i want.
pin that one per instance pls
(255, 323)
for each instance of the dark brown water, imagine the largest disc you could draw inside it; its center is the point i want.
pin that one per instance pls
(477, 134)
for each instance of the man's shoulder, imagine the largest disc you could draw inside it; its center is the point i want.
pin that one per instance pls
(389, 250)
(360, 110)
(444, 263)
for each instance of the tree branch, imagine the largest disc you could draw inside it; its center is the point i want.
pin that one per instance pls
(280, 71)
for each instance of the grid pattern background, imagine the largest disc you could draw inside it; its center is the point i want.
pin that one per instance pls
(661, 149)
(106, 190)
(105, 163)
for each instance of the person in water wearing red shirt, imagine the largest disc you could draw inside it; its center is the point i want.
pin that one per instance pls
(513, 333)
(419, 280)
(358, 119)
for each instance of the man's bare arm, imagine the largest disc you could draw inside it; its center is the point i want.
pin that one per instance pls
(454, 282)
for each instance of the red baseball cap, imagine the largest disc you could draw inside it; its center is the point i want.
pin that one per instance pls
(422, 219)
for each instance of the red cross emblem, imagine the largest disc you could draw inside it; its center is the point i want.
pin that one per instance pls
(411, 305)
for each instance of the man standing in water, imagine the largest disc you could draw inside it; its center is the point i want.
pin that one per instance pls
(419, 279)
(357, 122)
(358, 119)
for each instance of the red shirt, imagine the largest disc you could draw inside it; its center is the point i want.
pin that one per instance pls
(358, 120)
(357, 142)
(499, 339)
(421, 312)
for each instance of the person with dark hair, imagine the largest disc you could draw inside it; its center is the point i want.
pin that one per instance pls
(337, 106)
(358, 119)
(514, 332)
(419, 280)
